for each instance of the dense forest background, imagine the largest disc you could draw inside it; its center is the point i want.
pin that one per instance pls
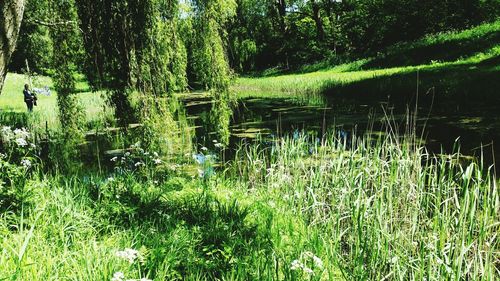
(261, 34)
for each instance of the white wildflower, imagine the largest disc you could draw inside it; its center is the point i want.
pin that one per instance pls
(111, 179)
(155, 154)
(26, 163)
(138, 164)
(118, 276)
(394, 259)
(127, 154)
(114, 159)
(21, 133)
(6, 129)
(296, 264)
(308, 271)
(204, 148)
(128, 254)
(21, 142)
(219, 145)
(157, 161)
(272, 204)
(318, 262)
(2, 156)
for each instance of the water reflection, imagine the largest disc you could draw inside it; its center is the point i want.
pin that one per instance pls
(440, 124)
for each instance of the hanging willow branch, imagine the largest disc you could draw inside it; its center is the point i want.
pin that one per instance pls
(69, 23)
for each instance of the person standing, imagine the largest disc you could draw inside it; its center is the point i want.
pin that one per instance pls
(29, 98)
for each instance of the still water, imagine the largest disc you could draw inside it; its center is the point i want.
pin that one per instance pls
(443, 125)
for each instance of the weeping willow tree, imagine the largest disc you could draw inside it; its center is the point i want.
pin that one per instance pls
(114, 37)
(133, 47)
(66, 37)
(210, 60)
(161, 71)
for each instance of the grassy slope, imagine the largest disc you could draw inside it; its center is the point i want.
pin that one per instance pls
(474, 50)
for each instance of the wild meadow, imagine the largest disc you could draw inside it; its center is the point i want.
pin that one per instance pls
(249, 140)
(301, 208)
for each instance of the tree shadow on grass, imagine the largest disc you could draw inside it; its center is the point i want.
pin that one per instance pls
(197, 235)
(468, 86)
(421, 53)
(458, 101)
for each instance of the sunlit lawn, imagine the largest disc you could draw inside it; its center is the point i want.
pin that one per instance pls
(11, 99)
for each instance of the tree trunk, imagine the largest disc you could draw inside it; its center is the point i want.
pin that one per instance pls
(320, 31)
(11, 16)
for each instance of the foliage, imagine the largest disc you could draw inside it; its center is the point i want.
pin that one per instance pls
(291, 33)
(209, 59)
(18, 156)
(115, 35)
(453, 53)
(34, 43)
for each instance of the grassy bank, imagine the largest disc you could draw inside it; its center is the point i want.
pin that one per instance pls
(300, 209)
(476, 51)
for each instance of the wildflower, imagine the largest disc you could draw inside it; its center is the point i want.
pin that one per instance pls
(118, 276)
(21, 142)
(111, 179)
(26, 163)
(296, 264)
(21, 133)
(199, 158)
(308, 271)
(2, 156)
(127, 154)
(318, 262)
(219, 145)
(114, 159)
(128, 254)
(33, 145)
(204, 148)
(155, 154)
(138, 164)
(157, 161)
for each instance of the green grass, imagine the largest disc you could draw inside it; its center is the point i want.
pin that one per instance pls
(364, 208)
(373, 210)
(474, 50)
(12, 102)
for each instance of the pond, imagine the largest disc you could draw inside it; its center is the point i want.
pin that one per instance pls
(442, 124)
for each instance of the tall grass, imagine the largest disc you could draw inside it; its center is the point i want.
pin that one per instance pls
(299, 208)
(382, 209)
